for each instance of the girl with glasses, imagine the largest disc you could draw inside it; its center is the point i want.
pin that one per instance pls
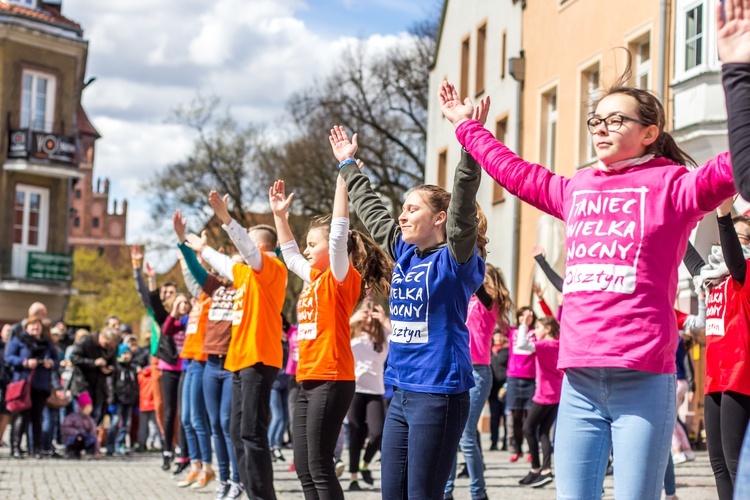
(628, 221)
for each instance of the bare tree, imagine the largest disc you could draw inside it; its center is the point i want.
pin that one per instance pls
(222, 158)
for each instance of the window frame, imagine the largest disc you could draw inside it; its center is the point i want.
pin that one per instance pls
(49, 104)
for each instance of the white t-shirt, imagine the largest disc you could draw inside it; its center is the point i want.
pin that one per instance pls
(368, 365)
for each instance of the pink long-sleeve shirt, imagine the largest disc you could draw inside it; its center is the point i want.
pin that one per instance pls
(626, 233)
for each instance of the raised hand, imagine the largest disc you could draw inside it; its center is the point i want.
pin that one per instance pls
(197, 243)
(343, 149)
(278, 199)
(482, 110)
(452, 107)
(136, 256)
(149, 270)
(733, 31)
(219, 205)
(176, 305)
(538, 290)
(537, 250)
(180, 224)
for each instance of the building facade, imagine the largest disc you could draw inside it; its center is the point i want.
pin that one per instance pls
(42, 65)
(94, 224)
(476, 41)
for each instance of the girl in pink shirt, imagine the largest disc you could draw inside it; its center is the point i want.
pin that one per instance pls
(545, 401)
(628, 220)
(521, 374)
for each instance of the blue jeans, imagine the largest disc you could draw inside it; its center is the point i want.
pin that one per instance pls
(420, 441)
(119, 428)
(469, 445)
(279, 416)
(50, 427)
(670, 486)
(742, 480)
(193, 413)
(632, 412)
(217, 390)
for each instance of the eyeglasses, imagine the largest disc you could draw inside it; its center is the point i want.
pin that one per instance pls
(612, 122)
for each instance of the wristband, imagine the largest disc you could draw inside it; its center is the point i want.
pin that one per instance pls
(346, 162)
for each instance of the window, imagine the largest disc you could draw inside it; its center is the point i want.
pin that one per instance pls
(590, 91)
(694, 37)
(77, 222)
(38, 101)
(30, 215)
(78, 194)
(549, 128)
(501, 128)
(642, 53)
(442, 173)
(463, 91)
(95, 222)
(481, 49)
(503, 54)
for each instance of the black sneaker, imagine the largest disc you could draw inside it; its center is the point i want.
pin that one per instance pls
(530, 477)
(366, 476)
(541, 480)
(354, 486)
(277, 455)
(181, 467)
(166, 462)
(464, 472)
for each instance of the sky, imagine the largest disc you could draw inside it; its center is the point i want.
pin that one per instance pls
(150, 57)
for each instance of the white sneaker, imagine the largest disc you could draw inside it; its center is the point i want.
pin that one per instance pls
(340, 466)
(235, 491)
(680, 458)
(690, 455)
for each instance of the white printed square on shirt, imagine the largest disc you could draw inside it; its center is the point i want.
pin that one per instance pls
(604, 232)
(716, 307)
(410, 296)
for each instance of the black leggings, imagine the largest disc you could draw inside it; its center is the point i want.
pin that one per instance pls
(497, 414)
(318, 415)
(519, 417)
(33, 415)
(170, 387)
(366, 418)
(539, 423)
(726, 415)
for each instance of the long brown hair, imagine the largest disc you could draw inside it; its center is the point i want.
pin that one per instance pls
(365, 255)
(494, 284)
(651, 112)
(376, 333)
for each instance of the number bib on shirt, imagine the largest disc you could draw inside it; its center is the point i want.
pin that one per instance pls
(410, 294)
(716, 306)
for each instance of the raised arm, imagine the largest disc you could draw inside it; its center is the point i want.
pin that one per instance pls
(730, 243)
(191, 284)
(733, 43)
(245, 246)
(280, 202)
(197, 271)
(703, 189)
(693, 260)
(531, 183)
(370, 209)
(339, 234)
(221, 263)
(550, 273)
(136, 257)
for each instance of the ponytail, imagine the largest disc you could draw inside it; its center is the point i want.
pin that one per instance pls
(371, 262)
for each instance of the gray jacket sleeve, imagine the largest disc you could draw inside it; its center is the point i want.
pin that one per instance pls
(370, 209)
(141, 288)
(462, 224)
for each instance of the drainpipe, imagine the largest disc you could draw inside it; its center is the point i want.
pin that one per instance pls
(517, 70)
(663, 20)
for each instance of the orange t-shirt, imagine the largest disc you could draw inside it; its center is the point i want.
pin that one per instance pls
(195, 330)
(323, 312)
(256, 315)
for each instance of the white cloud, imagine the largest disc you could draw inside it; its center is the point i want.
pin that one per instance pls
(150, 57)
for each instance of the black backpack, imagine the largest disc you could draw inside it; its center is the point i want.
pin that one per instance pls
(125, 384)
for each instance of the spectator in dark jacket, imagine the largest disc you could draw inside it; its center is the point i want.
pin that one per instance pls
(124, 398)
(93, 359)
(499, 366)
(30, 353)
(37, 309)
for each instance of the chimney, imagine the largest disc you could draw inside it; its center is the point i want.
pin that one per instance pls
(124, 207)
(106, 186)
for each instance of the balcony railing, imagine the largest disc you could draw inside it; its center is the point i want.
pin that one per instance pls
(33, 145)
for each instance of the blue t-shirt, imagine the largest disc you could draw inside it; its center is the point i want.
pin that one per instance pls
(429, 345)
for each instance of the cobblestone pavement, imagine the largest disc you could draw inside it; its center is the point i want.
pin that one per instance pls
(140, 477)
